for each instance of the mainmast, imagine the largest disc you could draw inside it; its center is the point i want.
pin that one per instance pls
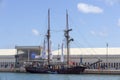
(67, 36)
(48, 36)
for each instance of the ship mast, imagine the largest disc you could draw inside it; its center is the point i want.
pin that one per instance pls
(67, 36)
(48, 36)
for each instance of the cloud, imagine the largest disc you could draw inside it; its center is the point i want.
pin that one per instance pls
(93, 32)
(35, 32)
(103, 34)
(111, 2)
(100, 33)
(86, 8)
(119, 22)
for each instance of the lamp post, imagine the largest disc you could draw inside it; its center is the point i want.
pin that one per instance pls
(107, 54)
(16, 61)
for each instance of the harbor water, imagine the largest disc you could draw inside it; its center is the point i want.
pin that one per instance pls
(29, 76)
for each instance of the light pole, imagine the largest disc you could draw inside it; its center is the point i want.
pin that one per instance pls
(107, 54)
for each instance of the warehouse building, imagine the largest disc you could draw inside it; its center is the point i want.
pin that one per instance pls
(7, 58)
(110, 56)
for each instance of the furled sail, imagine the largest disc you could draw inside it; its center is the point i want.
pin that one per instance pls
(43, 54)
(62, 55)
(50, 53)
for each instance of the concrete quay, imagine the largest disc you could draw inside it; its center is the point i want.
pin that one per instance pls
(22, 70)
(99, 71)
(87, 71)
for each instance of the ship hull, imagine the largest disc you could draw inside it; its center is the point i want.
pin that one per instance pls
(71, 70)
(36, 70)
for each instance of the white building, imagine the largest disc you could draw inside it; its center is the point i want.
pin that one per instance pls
(110, 56)
(7, 58)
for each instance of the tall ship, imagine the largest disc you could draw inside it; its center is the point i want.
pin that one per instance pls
(47, 66)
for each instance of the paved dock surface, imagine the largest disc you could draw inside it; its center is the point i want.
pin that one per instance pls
(97, 71)
(12, 70)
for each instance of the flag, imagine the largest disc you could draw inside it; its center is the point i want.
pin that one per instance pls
(43, 54)
(37, 56)
(33, 54)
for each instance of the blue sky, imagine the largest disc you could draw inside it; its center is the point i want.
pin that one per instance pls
(94, 22)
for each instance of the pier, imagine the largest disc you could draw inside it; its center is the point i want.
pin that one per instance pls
(106, 72)
(21, 70)
(87, 71)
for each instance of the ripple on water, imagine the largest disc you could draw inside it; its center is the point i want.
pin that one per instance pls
(29, 76)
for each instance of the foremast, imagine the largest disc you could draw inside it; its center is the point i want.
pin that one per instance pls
(48, 36)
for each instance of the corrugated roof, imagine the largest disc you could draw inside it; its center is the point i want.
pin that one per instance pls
(8, 52)
(28, 47)
(73, 51)
(90, 51)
